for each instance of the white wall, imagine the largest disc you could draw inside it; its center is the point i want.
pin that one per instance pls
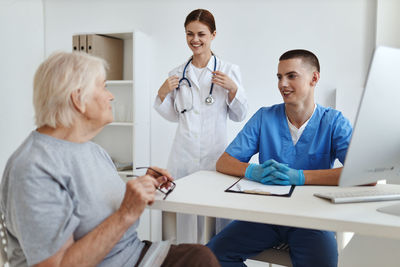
(21, 39)
(252, 34)
(388, 23)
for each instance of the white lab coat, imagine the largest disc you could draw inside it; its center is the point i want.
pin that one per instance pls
(201, 136)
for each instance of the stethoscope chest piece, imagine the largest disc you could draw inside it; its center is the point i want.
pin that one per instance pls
(209, 100)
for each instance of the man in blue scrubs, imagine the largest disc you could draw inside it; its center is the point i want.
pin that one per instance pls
(298, 142)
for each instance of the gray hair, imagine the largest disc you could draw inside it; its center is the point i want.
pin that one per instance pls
(56, 78)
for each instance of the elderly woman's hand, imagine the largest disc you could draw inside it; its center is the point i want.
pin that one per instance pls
(139, 193)
(157, 172)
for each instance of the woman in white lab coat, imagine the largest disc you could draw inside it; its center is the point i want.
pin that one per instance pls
(200, 95)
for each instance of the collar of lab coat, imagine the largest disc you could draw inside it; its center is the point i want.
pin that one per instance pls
(192, 76)
(210, 65)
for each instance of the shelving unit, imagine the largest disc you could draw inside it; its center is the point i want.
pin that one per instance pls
(127, 139)
(121, 82)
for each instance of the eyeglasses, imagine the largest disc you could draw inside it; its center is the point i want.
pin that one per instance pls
(162, 187)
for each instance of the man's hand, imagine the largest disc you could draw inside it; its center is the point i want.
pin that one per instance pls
(287, 176)
(260, 172)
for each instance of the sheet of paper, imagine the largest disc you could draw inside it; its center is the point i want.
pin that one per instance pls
(245, 185)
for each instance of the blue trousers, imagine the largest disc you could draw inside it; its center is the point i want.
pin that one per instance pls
(241, 240)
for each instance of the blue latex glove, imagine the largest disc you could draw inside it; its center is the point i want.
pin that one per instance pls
(287, 176)
(261, 172)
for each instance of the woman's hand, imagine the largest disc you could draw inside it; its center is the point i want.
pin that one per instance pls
(223, 80)
(157, 173)
(169, 85)
(139, 193)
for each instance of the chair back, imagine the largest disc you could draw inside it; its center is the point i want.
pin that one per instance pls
(3, 242)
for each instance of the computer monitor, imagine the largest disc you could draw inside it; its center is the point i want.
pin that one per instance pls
(374, 150)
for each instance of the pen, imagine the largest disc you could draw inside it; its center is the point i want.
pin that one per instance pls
(257, 192)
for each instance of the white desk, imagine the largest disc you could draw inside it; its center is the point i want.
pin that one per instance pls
(203, 193)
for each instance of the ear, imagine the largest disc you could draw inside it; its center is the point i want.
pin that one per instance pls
(315, 78)
(76, 101)
(213, 35)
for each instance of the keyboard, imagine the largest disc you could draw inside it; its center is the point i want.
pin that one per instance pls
(360, 196)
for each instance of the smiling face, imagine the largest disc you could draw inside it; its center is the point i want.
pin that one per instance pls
(296, 81)
(199, 37)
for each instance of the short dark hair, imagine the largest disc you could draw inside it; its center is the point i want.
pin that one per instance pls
(202, 15)
(305, 55)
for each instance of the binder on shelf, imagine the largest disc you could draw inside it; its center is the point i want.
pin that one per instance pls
(82, 43)
(75, 43)
(111, 50)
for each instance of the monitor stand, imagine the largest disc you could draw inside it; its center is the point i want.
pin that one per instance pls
(392, 209)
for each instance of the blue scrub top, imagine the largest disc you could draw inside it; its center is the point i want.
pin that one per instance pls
(325, 138)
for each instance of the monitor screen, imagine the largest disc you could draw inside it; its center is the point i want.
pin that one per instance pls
(374, 151)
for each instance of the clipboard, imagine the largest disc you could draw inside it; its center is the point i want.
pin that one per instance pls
(245, 186)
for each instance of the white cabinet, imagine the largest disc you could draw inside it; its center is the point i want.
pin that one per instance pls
(127, 138)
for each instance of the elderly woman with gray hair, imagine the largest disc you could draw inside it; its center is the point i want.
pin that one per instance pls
(63, 201)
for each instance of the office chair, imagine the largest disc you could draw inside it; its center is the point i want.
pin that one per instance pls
(280, 254)
(276, 255)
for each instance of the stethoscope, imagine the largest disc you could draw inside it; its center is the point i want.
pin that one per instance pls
(209, 99)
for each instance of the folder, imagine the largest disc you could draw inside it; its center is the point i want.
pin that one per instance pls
(75, 43)
(246, 186)
(82, 43)
(111, 50)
